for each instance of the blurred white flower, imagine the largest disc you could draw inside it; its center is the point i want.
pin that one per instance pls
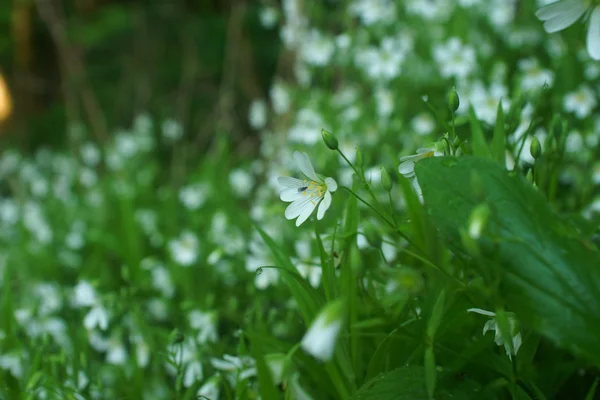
(485, 101)
(257, 258)
(372, 12)
(580, 102)
(574, 143)
(257, 114)
(384, 63)
(241, 182)
(210, 389)
(172, 130)
(562, 14)
(492, 325)
(280, 98)
(241, 368)
(193, 196)
(307, 127)
(193, 373)
(161, 280)
(206, 325)
(84, 295)
(316, 48)
(534, 77)
(268, 17)
(97, 317)
(423, 124)
(90, 154)
(320, 339)
(12, 363)
(455, 59)
(306, 194)
(385, 102)
(185, 249)
(501, 12)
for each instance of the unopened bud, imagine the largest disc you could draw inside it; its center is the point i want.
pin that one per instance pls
(359, 160)
(329, 139)
(372, 236)
(535, 148)
(386, 181)
(453, 100)
(176, 337)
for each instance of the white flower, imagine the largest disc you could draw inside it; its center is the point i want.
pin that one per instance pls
(562, 14)
(372, 12)
(455, 59)
(210, 389)
(320, 339)
(580, 102)
(257, 114)
(280, 98)
(240, 368)
(423, 124)
(193, 196)
(184, 249)
(534, 77)
(241, 182)
(96, 317)
(172, 130)
(84, 295)
(407, 163)
(306, 194)
(316, 48)
(268, 17)
(485, 101)
(205, 323)
(492, 325)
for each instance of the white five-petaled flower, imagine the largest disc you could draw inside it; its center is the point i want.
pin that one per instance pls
(562, 14)
(306, 194)
(492, 325)
(407, 163)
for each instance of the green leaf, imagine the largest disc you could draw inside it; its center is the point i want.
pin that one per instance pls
(380, 357)
(499, 138)
(328, 269)
(265, 380)
(546, 273)
(399, 384)
(309, 301)
(436, 315)
(479, 144)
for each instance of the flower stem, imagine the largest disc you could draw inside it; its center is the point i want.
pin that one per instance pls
(370, 206)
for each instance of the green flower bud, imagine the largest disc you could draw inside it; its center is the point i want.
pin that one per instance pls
(386, 181)
(176, 336)
(529, 176)
(535, 148)
(453, 100)
(329, 139)
(360, 158)
(372, 236)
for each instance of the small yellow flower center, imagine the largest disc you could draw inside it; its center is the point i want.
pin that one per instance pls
(313, 189)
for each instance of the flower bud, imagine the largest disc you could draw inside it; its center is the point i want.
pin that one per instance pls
(176, 337)
(360, 158)
(329, 139)
(535, 148)
(386, 181)
(453, 100)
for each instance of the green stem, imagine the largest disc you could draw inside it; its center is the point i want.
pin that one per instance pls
(392, 210)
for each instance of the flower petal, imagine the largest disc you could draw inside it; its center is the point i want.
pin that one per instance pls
(291, 194)
(482, 312)
(289, 182)
(407, 168)
(307, 210)
(331, 184)
(293, 210)
(324, 205)
(560, 15)
(305, 165)
(593, 35)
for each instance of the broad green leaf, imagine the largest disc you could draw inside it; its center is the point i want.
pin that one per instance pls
(408, 383)
(499, 138)
(265, 380)
(479, 144)
(547, 274)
